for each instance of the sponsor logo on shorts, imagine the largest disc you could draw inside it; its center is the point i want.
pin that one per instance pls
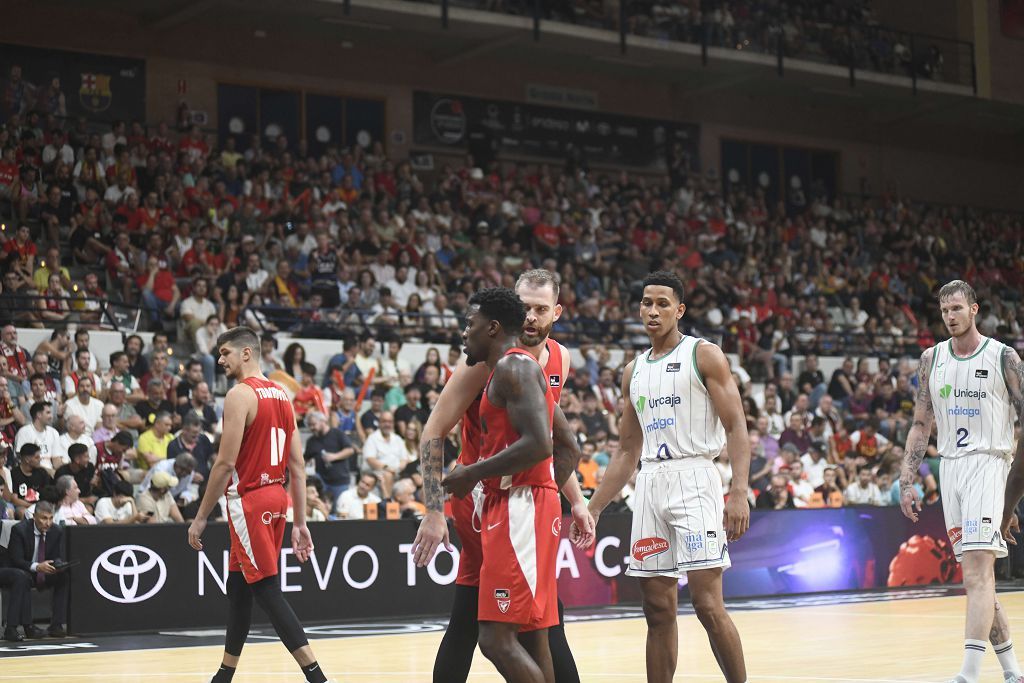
(981, 374)
(712, 534)
(986, 527)
(556, 527)
(264, 479)
(504, 599)
(649, 547)
(268, 516)
(554, 380)
(673, 367)
(955, 534)
(694, 542)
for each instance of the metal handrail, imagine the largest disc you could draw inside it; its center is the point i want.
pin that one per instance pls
(105, 309)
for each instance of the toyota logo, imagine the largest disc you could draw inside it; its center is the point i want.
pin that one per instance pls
(131, 565)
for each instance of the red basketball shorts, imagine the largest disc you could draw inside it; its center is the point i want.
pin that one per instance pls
(520, 537)
(466, 513)
(256, 522)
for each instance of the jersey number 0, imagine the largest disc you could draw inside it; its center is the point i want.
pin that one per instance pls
(277, 442)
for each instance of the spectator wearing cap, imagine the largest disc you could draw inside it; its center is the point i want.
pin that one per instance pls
(814, 464)
(71, 509)
(863, 491)
(156, 503)
(119, 508)
(83, 469)
(183, 470)
(192, 441)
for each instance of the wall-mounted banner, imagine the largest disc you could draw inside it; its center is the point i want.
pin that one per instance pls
(146, 578)
(544, 131)
(63, 83)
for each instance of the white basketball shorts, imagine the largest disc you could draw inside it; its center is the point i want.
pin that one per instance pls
(972, 489)
(678, 519)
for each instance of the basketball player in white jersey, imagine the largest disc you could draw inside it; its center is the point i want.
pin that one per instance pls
(968, 388)
(683, 411)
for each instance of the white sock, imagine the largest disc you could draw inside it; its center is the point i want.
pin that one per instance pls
(1007, 658)
(974, 652)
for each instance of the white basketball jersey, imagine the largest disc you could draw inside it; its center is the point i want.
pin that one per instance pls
(676, 415)
(972, 407)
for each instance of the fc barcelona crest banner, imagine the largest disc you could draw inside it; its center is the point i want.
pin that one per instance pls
(71, 84)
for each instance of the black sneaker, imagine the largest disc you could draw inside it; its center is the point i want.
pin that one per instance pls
(12, 635)
(33, 632)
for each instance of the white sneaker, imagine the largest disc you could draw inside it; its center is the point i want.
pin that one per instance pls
(959, 679)
(1012, 678)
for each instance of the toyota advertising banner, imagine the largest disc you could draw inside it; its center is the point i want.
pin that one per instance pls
(144, 578)
(454, 121)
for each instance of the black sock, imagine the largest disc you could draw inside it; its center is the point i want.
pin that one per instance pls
(224, 674)
(314, 674)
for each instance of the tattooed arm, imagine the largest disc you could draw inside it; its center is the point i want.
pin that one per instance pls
(458, 394)
(1013, 371)
(917, 439)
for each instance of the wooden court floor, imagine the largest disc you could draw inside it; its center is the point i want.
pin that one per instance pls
(876, 642)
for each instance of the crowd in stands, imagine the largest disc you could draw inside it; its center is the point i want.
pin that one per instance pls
(835, 31)
(355, 245)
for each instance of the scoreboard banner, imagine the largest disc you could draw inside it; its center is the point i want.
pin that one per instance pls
(454, 121)
(145, 578)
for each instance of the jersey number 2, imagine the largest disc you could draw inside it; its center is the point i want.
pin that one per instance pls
(277, 442)
(961, 438)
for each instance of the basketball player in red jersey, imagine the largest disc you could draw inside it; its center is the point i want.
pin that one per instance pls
(521, 520)
(260, 444)
(538, 289)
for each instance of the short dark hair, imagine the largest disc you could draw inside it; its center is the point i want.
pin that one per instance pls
(116, 356)
(124, 438)
(240, 338)
(539, 277)
(37, 407)
(958, 287)
(371, 474)
(192, 362)
(77, 449)
(142, 344)
(28, 450)
(666, 278)
(122, 488)
(502, 305)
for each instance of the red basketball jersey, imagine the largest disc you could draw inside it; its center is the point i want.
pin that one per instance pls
(471, 436)
(266, 443)
(498, 434)
(553, 369)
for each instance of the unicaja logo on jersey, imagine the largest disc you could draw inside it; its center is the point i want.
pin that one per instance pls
(659, 423)
(945, 391)
(666, 401)
(640, 403)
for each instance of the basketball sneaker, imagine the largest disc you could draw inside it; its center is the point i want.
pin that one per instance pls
(958, 679)
(1012, 678)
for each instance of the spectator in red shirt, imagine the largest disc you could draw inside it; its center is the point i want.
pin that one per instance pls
(160, 293)
(198, 260)
(193, 145)
(26, 251)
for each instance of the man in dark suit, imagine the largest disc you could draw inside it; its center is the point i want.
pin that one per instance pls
(19, 608)
(36, 544)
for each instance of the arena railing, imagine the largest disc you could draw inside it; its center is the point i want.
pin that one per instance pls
(25, 310)
(859, 47)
